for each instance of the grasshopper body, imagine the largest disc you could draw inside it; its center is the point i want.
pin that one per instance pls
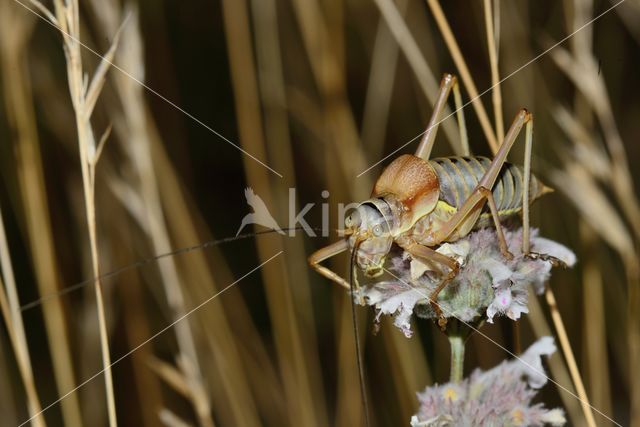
(418, 203)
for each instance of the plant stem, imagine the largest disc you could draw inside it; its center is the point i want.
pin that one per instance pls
(10, 309)
(457, 357)
(102, 318)
(496, 95)
(569, 357)
(463, 70)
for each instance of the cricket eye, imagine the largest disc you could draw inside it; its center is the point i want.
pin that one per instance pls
(348, 221)
(377, 231)
(353, 220)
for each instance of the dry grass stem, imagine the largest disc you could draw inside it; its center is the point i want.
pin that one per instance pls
(170, 419)
(10, 306)
(463, 70)
(569, 357)
(279, 148)
(492, 46)
(84, 95)
(138, 150)
(300, 381)
(592, 203)
(610, 168)
(583, 71)
(557, 366)
(16, 29)
(380, 84)
(231, 388)
(596, 336)
(337, 117)
(429, 83)
(409, 370)
(170, 375)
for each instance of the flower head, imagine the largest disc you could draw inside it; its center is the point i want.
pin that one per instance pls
(500, 396)
(487, 284)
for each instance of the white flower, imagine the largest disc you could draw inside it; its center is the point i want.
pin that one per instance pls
(486, 285)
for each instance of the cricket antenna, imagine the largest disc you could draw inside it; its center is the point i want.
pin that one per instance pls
(356, 336)
(146, 261)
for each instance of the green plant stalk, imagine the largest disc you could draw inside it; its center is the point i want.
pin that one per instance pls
(457, 357)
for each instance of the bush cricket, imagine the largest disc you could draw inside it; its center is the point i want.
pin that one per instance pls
(418, 203)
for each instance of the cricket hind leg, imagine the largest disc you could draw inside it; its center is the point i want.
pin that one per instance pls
(526, 243)
(526, 202)
(447, 83)
(482, 191)
(474, 202)
(425, 253)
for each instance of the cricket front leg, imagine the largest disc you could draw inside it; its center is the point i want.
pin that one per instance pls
(425, 253)
(327, 252)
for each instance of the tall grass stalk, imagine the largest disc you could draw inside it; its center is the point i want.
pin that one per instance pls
(279, 150)
(611, 167)
(17, 28)
(10, 306)
(335, 123)
(597, 361)
(429, 83)
(299, 385)
(465, 74)
(138, 149)
(557, 366)
(84, 96)
(337, 118)
(569, 357)
(492, 46)
(231, 373)
(8, 403)
(380, 84)
(240, 360)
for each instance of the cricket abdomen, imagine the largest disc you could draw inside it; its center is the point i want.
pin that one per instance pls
(458, 176)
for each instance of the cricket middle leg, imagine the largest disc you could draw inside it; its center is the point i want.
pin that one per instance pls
(425, 253)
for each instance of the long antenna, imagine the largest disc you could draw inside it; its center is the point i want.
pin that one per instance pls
(146, 261)
(356, 336)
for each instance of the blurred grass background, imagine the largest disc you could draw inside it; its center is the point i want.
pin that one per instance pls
(319, 91)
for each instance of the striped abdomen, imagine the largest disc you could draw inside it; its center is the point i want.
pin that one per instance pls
(458, 176)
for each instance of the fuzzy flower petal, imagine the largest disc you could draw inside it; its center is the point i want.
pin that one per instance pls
(531, 362)
(501, 396)
(393, 298)
(556, 250)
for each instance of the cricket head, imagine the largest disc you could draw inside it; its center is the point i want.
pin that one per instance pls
(370, 228)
